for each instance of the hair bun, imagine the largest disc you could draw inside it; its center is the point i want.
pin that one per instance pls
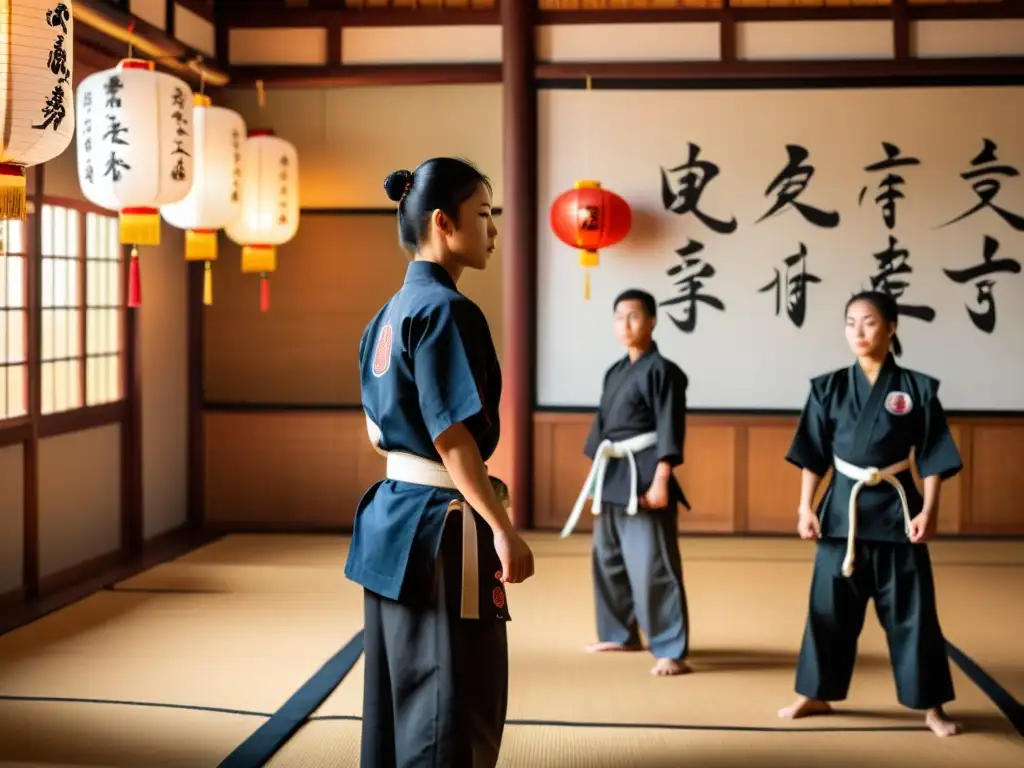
(396, 185)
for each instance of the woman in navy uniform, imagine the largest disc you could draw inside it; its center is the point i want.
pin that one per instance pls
(864, 422)
(432, 544)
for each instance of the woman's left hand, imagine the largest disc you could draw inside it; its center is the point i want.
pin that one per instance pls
(922, 527)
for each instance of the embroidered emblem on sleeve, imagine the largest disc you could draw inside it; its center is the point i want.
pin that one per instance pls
(498, 596)
(382, 355)
(898, 403)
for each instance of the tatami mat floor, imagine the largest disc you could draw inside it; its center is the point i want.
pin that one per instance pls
(180, 664)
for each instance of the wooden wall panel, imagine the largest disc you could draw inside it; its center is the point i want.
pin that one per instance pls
(305, 470)
(997, 498)
(738, 481)
(287, 470)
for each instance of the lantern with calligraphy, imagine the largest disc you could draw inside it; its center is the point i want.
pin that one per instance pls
(36, 55)
(215, 199)
(590, 218)
(135, 147)
(270, 205)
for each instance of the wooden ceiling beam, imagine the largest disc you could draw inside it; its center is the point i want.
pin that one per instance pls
(263, 14)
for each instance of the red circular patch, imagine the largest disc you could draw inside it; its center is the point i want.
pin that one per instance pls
(497, 575)
(382, 356)
(498, 596)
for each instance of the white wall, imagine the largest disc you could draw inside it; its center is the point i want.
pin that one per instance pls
(746, 356)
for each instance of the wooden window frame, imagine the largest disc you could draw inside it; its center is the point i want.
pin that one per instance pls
(21, 428)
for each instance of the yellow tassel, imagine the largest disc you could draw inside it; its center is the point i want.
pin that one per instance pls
(140, 226)
(208, 285)
(200, 245)
(586, 285)
(258, 258)
(13, 201)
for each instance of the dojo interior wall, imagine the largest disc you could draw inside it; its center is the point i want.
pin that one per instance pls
(79, 473)
(284, 439)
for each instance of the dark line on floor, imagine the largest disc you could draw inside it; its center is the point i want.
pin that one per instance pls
(293, 714)
(166, 591)
(674, 726)
(155, 704)
(1003, 699)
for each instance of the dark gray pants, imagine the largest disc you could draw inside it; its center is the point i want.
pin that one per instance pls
(638, 580)
(436, 685)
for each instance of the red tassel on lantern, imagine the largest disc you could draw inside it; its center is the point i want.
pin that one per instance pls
(134, 281)
(264, 293)
(590, 218)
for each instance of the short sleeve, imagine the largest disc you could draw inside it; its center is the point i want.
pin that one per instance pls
(811, 448)
(934, 450)
(446, 383)
(668, 397)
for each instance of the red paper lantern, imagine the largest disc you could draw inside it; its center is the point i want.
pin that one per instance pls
(590, 218)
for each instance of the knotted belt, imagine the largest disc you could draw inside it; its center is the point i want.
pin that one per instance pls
(409, 468)
(869, 476)
(594, 485)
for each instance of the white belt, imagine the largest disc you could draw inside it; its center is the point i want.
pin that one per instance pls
(870, 476)
(407, 468)
(594, 485)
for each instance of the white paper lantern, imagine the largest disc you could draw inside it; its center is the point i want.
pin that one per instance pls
(270, 205)
(36, 56)
(135, 144)
(215, 199)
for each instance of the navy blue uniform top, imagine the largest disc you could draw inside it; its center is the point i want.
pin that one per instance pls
(427, 362)
(643, 395)
(873, 426)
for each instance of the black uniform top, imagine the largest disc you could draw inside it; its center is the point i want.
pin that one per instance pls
(873, 426)
(646, 395)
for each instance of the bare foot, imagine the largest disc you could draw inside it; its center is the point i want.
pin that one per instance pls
(805, 707)
(940, 723)
(667, 667)
(611, 647)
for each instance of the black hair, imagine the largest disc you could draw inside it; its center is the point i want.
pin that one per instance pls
(887, 308)
(635, 294)
(443, 183)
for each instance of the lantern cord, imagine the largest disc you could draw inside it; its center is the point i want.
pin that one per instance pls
(134, 280)
(586, 129)
(586, 285)
(207, 285)
(202, 74)
(261, 98)
(131, 31)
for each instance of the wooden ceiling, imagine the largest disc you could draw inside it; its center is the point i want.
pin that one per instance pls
(638, 5)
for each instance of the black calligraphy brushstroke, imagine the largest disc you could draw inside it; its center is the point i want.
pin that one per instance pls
(894, 261)
(690, 286)
(985, 320)
(790, 183)
(54, 111)
(681, 194)
(795, 287)
(889, 193)
(236, 175)
(985, 169)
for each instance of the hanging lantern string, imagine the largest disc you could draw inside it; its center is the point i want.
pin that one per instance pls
(586, 130)
(261, 96)
(131, 31)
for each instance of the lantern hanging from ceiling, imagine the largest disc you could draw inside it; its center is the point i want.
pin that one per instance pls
(135, 147)
(270, 205)
(36, 56)
(590, 218)
(215, 199)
